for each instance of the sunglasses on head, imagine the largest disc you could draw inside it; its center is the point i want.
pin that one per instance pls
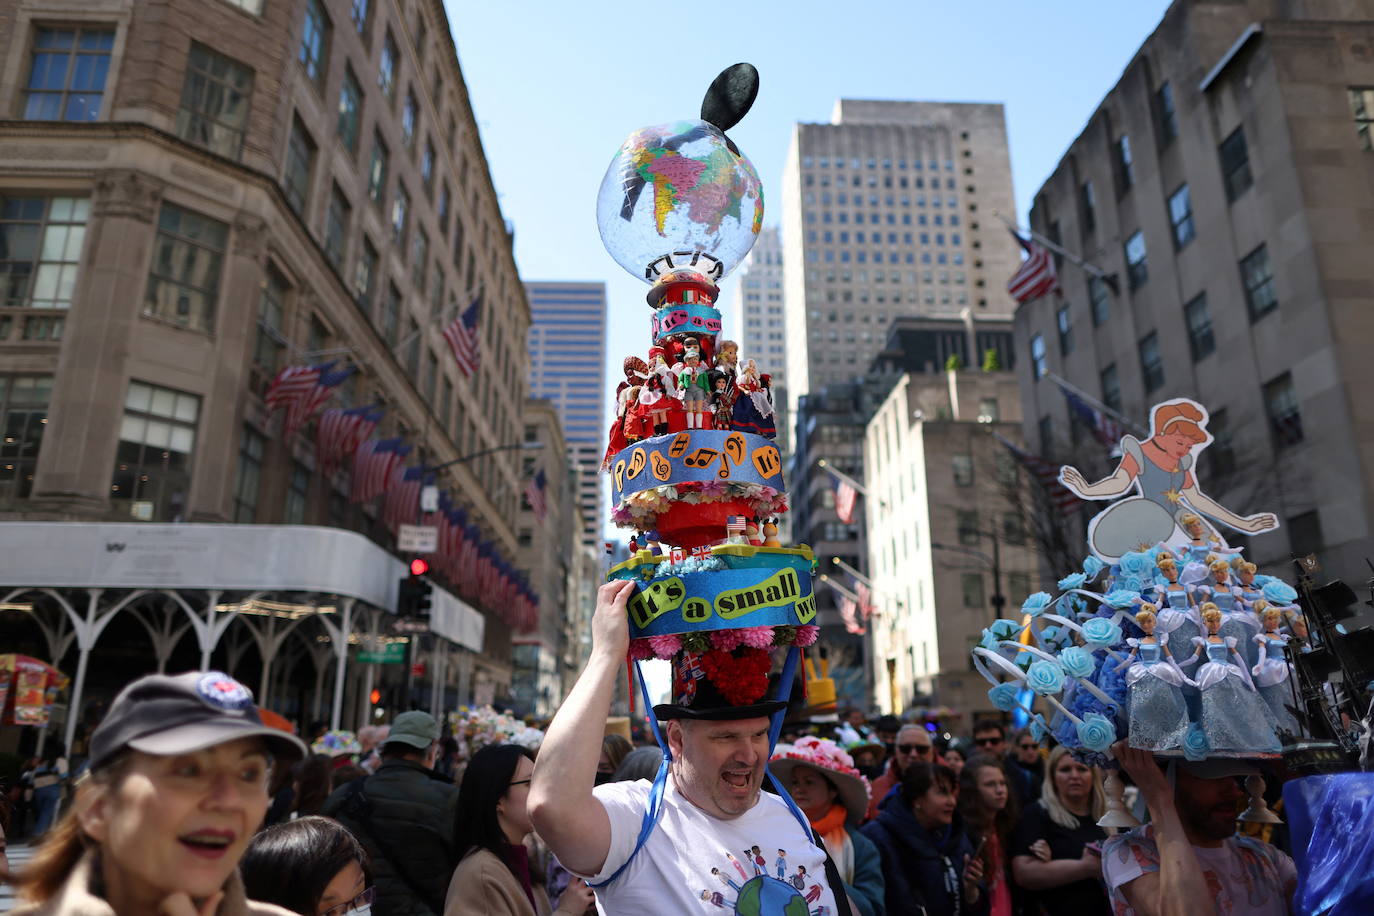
(913, 748)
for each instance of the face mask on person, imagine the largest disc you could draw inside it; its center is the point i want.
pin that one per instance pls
(603, 778)
(365, 910)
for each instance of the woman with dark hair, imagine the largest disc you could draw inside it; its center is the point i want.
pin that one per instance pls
(312, 866)
(312, 781)
(493, 874)
(613, 750)
(989, 812)
(48, 780)
(640, 763)
(928, 861)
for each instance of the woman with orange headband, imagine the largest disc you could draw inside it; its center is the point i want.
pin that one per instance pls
(1161, 471)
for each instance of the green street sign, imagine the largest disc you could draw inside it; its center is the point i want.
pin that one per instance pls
(392, 653)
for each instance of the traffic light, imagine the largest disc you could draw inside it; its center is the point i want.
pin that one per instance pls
(414, 593)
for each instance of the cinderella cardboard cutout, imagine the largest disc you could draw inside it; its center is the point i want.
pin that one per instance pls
(1168, 508)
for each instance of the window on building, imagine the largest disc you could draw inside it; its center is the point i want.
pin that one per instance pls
(1087, 206)
(391, 314)
(23, 417)
(296, 495)
(1221, 454)
(376, 171)
(1166, 119)
(1235, 164)
(314, 51)
(968, 526)
(386, 68)
(1037, 353)
(971, 584)
(1137, 268)
(157, 437)
(365, 275)
(1258, 281)
(1013, 532)
(410, 117)
(419, 258)
(962, 466)
(1362, 106)
(1099, 301)
(336, 227)
(987, 410)
(300, 160)
(427, 168)
(40, 249)
(1281, 404)
(361, 14)
(183, 282)
(1111, 387)
(1305, 533)
(67, 74)
(1125, 167)
(214, 101)
(1064, 322)
(436, 292)
(270, 342)
(1151, 364)
(350, 111)
(400, 214)
(1181, 216)
(248, 477)
(1045, 430)
(1200, 339)
(443, 208)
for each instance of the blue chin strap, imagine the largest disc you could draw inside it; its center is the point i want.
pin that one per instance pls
(655, 807)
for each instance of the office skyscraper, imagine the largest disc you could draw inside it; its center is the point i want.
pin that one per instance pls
(888, 211)
(764, 336)
(567, 366)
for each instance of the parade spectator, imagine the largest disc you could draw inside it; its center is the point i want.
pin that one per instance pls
(305, 795)
(177, 785)
(928, 861)
(1189, 858)
(1026, 756)
(446, 764)
(885, 730)
(912, 745)
(404, 816)
(311, 866)
(370, 738)
(614, 748)
(954, 756)
(834, 797)
(493, 876)
(347, 773)
(48, 780)
(990, 737)
(640, 763)
(1054, 856)
(989, 814)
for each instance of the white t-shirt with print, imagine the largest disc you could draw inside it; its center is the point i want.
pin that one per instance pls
(694, 863)
(1247, 877)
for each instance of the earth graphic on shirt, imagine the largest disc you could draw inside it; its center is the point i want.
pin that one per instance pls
(764, 896)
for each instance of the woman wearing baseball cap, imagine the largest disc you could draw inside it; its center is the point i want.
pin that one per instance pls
(176, 788)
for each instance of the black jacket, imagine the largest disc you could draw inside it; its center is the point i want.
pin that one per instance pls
(924, 875)
(404, 816)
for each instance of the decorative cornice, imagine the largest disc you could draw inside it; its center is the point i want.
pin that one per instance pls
(122, 192)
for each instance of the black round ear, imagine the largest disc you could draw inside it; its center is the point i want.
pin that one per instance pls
(731, 95)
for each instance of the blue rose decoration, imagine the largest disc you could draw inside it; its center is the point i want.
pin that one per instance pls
(1038, 728)
(1101, 633)
(1073, 581)
(1195, 743)
(1096, 732)
(1005, 629)
(1035, 605)
(1279, 592)
(1045, 677)
(1136, 565)
(1003, 696)
(1078, 662)
(1052, 637)
(989, 640)
(1092, 566)
(1122, 598)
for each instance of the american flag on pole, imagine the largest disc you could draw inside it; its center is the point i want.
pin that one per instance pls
(299, 411)
(536, 492)
(1036, 275)
(293, 382)
(735, 524)
(1047, 473)
(464, 338)
(403, 496)
(848, 607)
(340, 433)
(1105, 428)
(864, 594)
(374, 463)
(846, 497)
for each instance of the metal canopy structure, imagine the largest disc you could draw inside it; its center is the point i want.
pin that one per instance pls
(271, 577)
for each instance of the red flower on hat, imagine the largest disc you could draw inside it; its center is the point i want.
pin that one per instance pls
(740, 676)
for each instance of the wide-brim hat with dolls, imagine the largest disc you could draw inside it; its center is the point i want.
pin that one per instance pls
(834, 763)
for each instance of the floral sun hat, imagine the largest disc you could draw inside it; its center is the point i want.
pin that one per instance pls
(833, 763)
(337, 744)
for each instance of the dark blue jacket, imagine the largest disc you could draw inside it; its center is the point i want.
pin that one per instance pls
(921, 870)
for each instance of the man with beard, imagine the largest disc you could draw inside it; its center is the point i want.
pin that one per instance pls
(712, 806)
(1188, 859)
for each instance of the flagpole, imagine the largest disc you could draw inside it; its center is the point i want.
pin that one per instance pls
(1092, 269)
(439, 322)
(843, 476)
(840, 588)
(864, 579)
(1131, 424)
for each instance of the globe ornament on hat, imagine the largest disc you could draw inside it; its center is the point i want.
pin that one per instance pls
(834, 763)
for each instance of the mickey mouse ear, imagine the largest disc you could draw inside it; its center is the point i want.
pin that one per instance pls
(731, 95)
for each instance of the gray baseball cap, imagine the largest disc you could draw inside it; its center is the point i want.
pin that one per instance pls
(179, 714)
(415, 728)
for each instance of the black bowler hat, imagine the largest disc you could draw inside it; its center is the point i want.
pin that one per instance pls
(179, 714)
(721, 685)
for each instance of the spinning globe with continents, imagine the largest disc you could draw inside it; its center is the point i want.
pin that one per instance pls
(679, 191)
(764, 896)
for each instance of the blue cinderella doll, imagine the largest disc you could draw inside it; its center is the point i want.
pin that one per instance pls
(1234, 716)
(1177, 605)
(1272, 672)
(1238, 622)
(1158, 714)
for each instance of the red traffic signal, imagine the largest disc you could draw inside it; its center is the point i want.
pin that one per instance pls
(419, 567)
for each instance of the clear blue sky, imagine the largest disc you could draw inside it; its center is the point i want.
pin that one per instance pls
(557, 86)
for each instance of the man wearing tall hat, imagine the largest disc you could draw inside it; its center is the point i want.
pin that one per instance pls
(698, 855)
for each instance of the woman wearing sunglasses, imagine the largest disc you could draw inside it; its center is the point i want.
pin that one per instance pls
(311, 866)
(177, 785)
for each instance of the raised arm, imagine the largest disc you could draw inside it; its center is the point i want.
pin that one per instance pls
(1114, 485)
(565, 813)
(1250, 524)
